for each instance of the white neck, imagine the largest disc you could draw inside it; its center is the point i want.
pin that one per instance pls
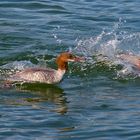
(59, 74)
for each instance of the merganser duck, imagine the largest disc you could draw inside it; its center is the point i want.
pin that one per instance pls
(47, 75)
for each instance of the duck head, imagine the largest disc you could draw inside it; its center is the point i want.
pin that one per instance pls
(63, 59)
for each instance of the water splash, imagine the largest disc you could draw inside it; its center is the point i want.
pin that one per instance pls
(19, 65)
(107, 45)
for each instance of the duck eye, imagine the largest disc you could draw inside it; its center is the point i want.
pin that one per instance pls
(71, 56)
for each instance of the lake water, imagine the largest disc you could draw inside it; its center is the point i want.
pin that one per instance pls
(98, 99)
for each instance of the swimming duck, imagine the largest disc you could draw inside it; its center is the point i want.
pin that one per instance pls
(47, 75)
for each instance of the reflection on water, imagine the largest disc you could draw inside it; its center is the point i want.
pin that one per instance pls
(37, 94)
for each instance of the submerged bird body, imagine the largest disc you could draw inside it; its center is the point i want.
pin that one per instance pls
(46, 75)
(134, 60)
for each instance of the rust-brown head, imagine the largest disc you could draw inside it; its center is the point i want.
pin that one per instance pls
(63, 59)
